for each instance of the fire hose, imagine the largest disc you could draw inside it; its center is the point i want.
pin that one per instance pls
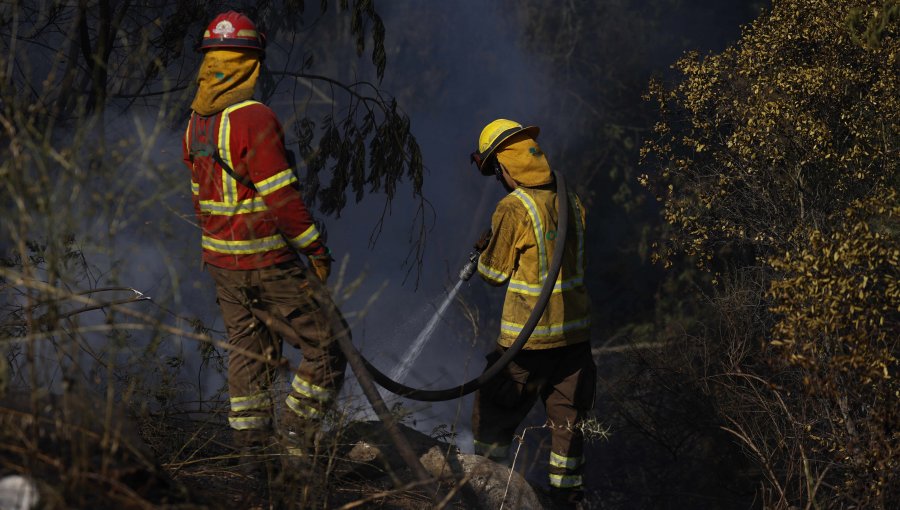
(356, 359)
(366, 372)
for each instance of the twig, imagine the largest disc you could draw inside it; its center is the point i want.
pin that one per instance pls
(384, 494)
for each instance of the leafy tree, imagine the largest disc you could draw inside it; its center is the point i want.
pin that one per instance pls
(64, 62)
(778, 156)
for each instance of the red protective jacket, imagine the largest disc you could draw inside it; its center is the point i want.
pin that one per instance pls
(243, 228)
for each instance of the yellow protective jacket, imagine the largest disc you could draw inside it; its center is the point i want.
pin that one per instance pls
(524, 228)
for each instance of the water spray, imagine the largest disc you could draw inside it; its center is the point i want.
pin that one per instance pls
(370, 372)
(465, 274)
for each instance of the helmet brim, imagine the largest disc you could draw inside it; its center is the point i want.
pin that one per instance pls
(532, 131)
(230, 44)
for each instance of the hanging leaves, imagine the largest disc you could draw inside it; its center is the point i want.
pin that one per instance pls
(363, 13)
(371, 153)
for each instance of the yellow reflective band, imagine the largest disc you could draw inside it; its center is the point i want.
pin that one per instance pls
(252, 402)
(229, 185)
(491, 273)
(305, 239)
(560, 461)
(301, 409)
(310, 390)
(243, 247)
(195, 188)
(252, 205)
(565, 481)
(531, 207)
(552, 329)
(521, 287)
(249, 422)
(246, 32)
(276, 182)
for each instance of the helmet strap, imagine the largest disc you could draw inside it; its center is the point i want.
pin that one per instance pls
(488, 166)
(494, 165)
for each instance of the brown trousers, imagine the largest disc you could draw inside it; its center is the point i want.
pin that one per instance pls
(565, 380)
(262, 307)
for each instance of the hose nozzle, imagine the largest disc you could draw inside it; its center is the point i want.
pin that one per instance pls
(471, 266)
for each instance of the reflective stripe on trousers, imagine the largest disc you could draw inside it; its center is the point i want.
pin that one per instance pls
(566, 481)
(308, 400)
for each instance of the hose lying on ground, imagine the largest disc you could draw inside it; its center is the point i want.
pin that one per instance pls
(404, 449)
(365, 372)
(355, 358)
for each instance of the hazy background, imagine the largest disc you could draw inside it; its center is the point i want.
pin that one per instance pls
(453, 67)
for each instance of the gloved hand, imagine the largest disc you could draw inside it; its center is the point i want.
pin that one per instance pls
(483, 241)
(321, 265)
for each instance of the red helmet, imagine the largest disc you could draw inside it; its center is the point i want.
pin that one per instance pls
(232, 30)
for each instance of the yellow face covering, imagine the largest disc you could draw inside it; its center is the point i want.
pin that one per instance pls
(525, 161)
(226, 77)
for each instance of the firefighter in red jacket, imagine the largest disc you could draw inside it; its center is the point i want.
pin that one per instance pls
(254, 223)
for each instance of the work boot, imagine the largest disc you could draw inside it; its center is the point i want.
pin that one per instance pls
(298, 481)
(299, 436)
(298, 441)
(254, 453)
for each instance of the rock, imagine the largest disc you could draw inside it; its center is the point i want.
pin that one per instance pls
(18, 493)
(363, 461)
(368, 452)
(489, 485)
(364, 452)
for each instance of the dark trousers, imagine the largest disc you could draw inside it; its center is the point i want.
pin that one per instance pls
(262, 307)
(565, 380)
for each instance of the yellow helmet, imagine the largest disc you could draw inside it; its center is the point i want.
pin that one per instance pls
(495, 134)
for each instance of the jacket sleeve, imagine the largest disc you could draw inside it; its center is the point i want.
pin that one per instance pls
(500, 257)
(275, 180)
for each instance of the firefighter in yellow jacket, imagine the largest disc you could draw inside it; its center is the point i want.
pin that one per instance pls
(556, 363)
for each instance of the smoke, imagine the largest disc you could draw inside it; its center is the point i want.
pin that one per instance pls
(454, 67)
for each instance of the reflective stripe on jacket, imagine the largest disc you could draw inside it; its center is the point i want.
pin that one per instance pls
(524, 238)
(244, 228)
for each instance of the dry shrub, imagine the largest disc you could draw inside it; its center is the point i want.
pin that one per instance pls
(779, 157)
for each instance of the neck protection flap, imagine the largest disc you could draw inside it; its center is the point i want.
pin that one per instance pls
(226, 77)
(525, 161)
